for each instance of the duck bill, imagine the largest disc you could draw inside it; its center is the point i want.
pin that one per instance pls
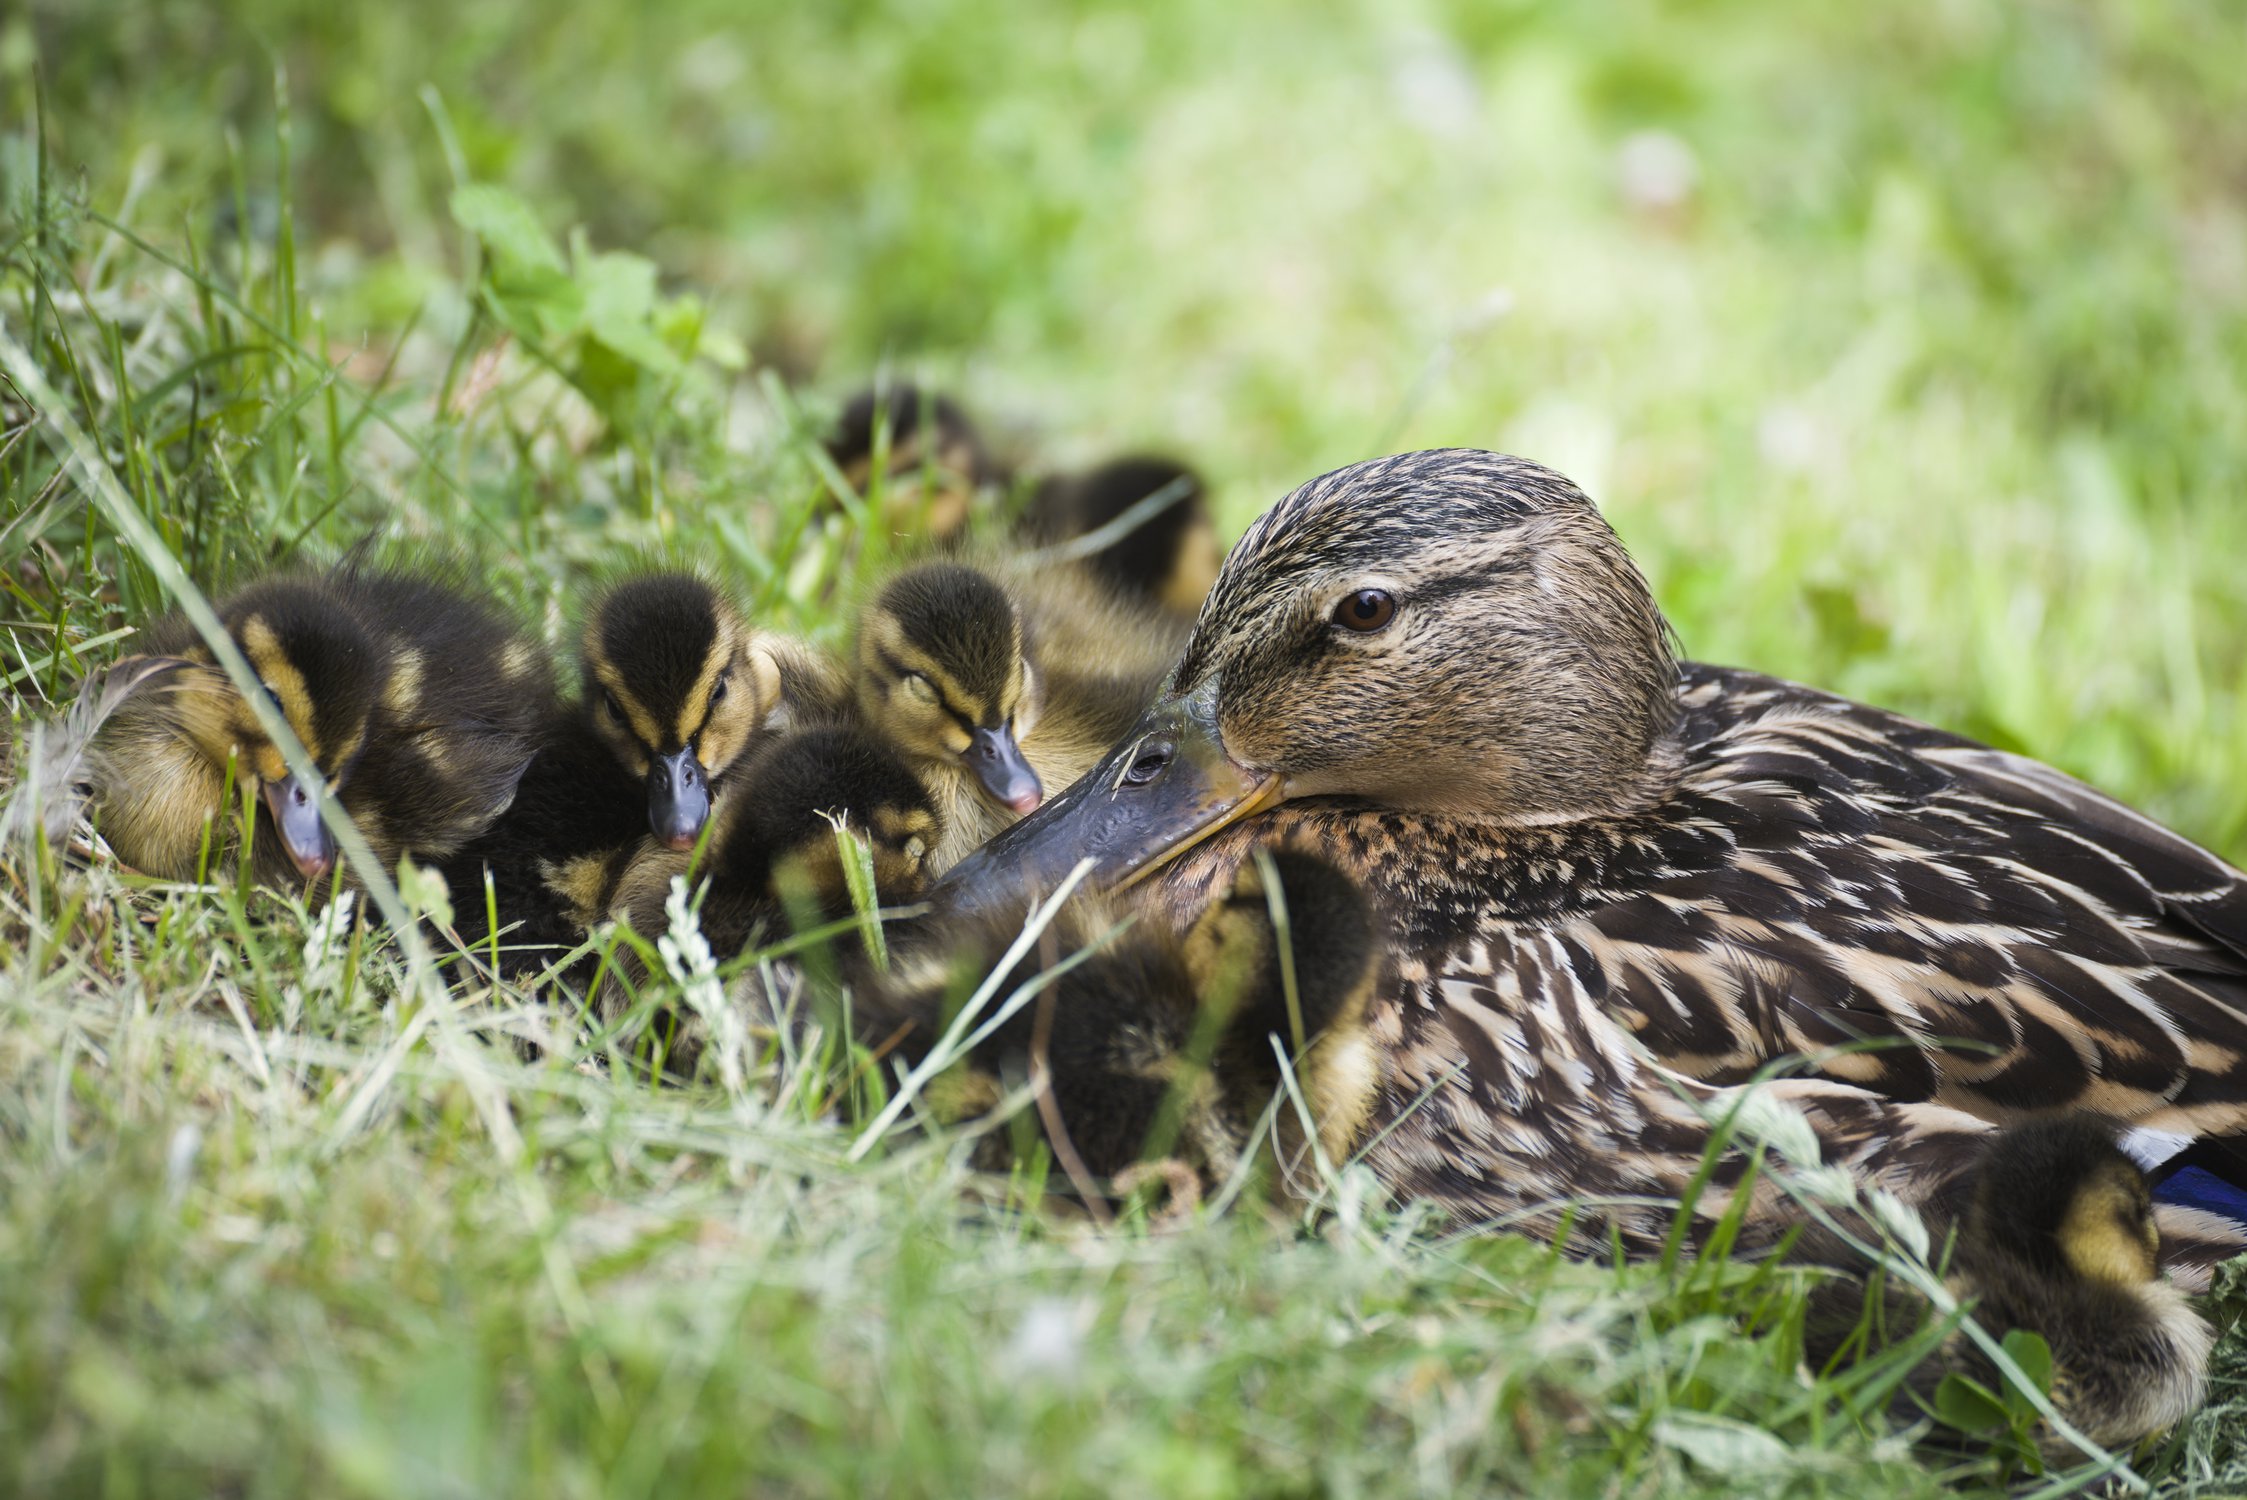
(999, 768)
(296, 817)
(1164, 789)
(678, 799)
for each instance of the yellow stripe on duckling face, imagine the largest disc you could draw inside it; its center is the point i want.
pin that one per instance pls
(279, 674)
(730, 698)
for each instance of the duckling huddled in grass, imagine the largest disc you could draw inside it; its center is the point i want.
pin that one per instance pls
(919, 452)
(774, 844)
(2055, 1236)
(1156, 1046)
(676, 690)
(417, 699)
(996, 687)
(774, 861)
(1139, 525)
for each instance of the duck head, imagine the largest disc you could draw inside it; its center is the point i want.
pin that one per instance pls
(322, 669)
(678, 687)
(1454, 633)
(942, 677)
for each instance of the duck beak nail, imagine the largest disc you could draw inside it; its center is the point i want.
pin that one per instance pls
(997, 762)
(1165, 788)
(678, 799)
(296, 817)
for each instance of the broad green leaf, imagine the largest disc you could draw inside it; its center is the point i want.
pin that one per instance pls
(509, 230)
(1968, 1405)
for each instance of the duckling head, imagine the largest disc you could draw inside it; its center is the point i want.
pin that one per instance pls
(941, 676)
(2058, 1196)
(678, 687)
(1452, 633)
(800, 789)
(324, 671)
(935, 460)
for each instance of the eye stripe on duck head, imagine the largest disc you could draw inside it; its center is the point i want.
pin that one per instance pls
(1526, 673)
(958, 622)
(666, 649)
(322, 667)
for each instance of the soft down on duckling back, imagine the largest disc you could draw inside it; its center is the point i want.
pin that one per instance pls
(416, 698)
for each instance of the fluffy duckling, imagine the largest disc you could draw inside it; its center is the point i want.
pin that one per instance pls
(1158, 1046)
(2056, 1237)
(676, 690)
(1141, 524)
(934, 468)
(417, 700)
(2060, 1239)
(995, 691)
(773, 858)
(775, 842)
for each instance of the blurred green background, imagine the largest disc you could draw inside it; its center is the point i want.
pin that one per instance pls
(1907, 346)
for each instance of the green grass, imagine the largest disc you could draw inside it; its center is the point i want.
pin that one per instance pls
(1929, 390)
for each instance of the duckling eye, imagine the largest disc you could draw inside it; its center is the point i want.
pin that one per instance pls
(615, 709)
(718, 692)
(1366, 611)
(917, 686)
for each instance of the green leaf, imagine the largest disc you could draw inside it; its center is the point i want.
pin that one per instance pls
(2028, 1350)
(1968, 1405)
(620, 304)
(511, 233)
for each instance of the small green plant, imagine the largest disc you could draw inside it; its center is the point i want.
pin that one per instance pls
(595, 317)
(2007, 1420)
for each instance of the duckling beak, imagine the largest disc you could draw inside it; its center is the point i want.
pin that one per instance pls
(997, 762)
(296, 817)
(1160, 792)
(678, 798)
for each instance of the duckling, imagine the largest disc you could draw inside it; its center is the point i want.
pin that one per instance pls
(2061, 1239)
(772, 856)
(1156, 1045)
(417, 700)
(992, 691)
(936, 465)
(1164, 551)
(2058, 1237)
(775, 841)
(676, 690)
(1616, 886)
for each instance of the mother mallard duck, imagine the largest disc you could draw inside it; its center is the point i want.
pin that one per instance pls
(1613, 884)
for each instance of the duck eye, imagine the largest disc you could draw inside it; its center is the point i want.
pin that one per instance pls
(718, 692)
(1149, 763)
(1366, 611)
(608, 701)
(919, 687)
